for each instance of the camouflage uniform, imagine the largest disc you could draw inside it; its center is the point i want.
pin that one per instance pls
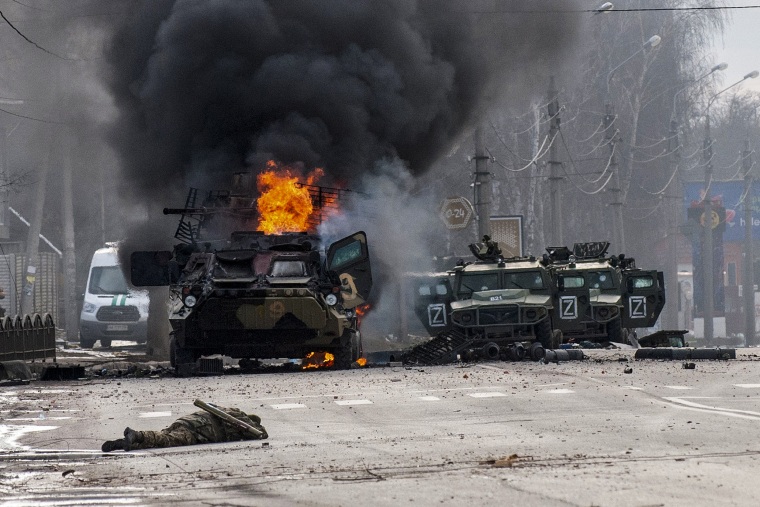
(197, 428)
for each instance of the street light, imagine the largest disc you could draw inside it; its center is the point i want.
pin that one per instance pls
(653, 41)
(707, 247)
(609, 119)
(670, 315)
(720, 66)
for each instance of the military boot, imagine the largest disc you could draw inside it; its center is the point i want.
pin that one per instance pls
(132, 437)
(113, 445)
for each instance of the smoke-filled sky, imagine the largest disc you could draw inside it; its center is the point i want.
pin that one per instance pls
(206, 88)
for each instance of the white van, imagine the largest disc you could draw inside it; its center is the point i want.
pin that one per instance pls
(112, 309)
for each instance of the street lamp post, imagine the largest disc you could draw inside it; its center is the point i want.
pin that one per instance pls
(610, 135)
(670, 315)
(707, 247)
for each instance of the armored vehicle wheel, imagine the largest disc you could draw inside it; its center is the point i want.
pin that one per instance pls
(349, 352)
(556, 339)
(537, 351)
(105, 343)
(615, 331)
(517, 352)
(179, 355)
(544, 333)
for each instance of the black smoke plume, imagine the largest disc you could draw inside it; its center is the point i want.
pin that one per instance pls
(207, 88)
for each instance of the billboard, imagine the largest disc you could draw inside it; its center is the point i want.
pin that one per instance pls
(729, 195)
(508, 232)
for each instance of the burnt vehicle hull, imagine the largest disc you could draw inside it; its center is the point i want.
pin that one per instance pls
(263, 327)
(263, 297)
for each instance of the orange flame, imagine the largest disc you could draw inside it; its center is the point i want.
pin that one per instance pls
(315, 360)
(361, 311)
(362, 361)
(284, 204)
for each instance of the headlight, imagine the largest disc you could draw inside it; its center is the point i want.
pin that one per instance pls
(331, 299)
(190, 301)
(88, 308)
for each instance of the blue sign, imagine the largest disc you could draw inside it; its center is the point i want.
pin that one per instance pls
(731, 196)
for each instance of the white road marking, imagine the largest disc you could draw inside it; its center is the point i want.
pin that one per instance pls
(47, 391)
(730, 412)
(151, 415)
(38, 419)
(353, 402)
(748, 386)
(633, 388)
(550, 385)
(680, 388)
(429, 398)
(486, 395)
(10, 434)
(559, 391)
(287, 406)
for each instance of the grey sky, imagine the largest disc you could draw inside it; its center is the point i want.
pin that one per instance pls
(740, 46)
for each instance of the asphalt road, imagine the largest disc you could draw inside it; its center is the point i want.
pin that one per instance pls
(578, 433)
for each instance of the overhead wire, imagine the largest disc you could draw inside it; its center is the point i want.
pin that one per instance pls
(539, 153)
(569, 178)
(649, 214)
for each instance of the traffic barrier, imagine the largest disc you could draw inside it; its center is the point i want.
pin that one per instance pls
(27, 337)
(685, 353)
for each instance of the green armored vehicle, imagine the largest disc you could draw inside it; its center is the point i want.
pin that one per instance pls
(262, 296)
(500, 307)
(601, 298)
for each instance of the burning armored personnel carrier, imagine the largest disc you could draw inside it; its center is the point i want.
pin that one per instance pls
(259, 296)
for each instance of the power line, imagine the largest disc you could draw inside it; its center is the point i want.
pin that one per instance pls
(27, 39)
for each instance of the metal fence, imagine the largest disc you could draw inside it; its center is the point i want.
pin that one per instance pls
(27, 337)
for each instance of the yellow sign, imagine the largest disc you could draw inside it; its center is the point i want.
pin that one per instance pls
(713, 223)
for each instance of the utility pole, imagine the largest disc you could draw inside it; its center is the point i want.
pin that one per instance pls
(710, 218)
(35, 227)
(555, 179)
(670, 315)
(707, 226)
(748, 282)
(482, 184)
(610, 134)
(69, 250)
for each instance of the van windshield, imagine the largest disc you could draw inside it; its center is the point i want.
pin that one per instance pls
(108, 280)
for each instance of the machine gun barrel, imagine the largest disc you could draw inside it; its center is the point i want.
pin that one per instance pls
(205, 211)
(211, 409)
(184, 211)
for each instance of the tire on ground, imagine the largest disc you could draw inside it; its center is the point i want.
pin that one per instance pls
(544, 333)
(86, 343)
(180, 355)
(615, 331)
(349, 350)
